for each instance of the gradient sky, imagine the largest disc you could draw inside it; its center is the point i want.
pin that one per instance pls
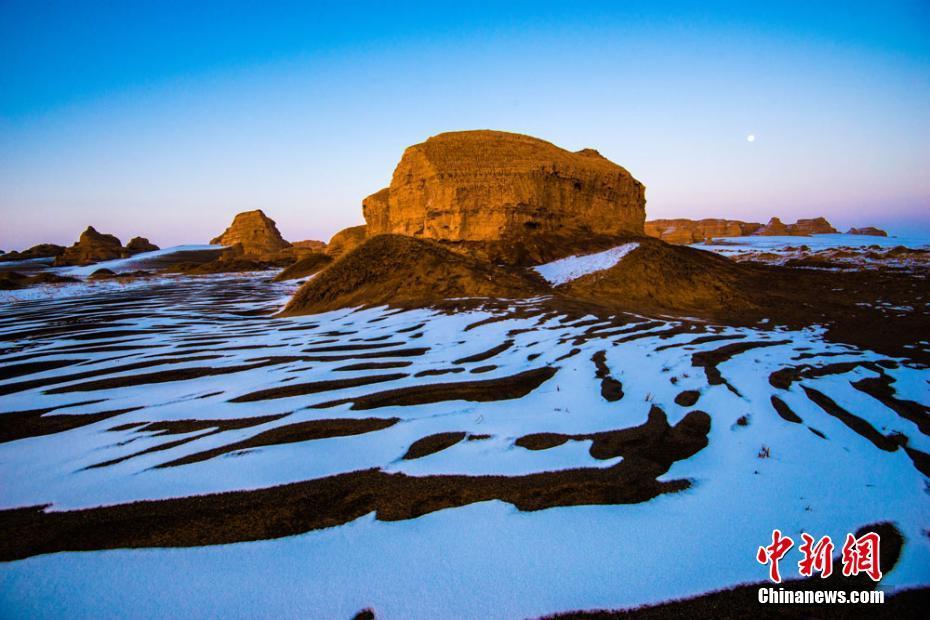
(164, 119)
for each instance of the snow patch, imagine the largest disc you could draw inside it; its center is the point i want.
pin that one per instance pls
(573, 267)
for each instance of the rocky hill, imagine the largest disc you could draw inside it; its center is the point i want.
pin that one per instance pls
(43, 250)
(491, 185)
(256, 232)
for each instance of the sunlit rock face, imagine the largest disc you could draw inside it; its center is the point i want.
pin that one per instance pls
(257, 233)
(491, 185)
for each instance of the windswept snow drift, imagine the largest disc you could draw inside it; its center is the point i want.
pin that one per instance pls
(573, 267)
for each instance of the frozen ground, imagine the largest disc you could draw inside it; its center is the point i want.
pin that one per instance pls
(185, 374)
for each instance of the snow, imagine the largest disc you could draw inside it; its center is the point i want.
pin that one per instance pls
(481, 560)
(573, 267)
(136, 261)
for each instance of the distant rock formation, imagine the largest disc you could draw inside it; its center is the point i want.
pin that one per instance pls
(346, 240)
(310, 244)
(91, 247)
(491, 185)
(801, 228)
(685, 231)
(867, 230)
(137, 245)
(43, 250)
(257, 233)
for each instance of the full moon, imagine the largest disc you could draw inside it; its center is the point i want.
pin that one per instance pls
(751, 137)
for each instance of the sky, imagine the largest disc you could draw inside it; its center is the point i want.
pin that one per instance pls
(165, 119)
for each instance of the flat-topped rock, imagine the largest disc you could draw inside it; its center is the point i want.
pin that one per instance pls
(801, 228)
(257, 233)
(491, 185)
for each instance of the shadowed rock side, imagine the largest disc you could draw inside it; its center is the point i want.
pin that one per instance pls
(491, 185)
(394, 269)
(257, 233)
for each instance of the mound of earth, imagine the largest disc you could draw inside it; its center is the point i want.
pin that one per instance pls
(663, 277)
(256, 232)
(91, 247)
(346, 240)
(43, 250)
(306, 266)
(401, 270)
(867, 230)
(137, 245)
(492, 185)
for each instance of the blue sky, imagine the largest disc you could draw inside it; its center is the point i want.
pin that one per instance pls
(164, 119)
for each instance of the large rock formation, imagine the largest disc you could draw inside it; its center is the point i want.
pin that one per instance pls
(801, 228)
(685, 231)
(91, 247)
(491, 185)
(257, 233)
(867, 230)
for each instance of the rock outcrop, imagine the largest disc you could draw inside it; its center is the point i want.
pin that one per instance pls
(685, 231)
(491, 185)
(867, 230)
(346, 240)
(137, 245)
(91, 247)
(255, 231)
(43, 250)
(801, 228)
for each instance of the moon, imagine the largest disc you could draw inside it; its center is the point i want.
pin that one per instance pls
(751, 137)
